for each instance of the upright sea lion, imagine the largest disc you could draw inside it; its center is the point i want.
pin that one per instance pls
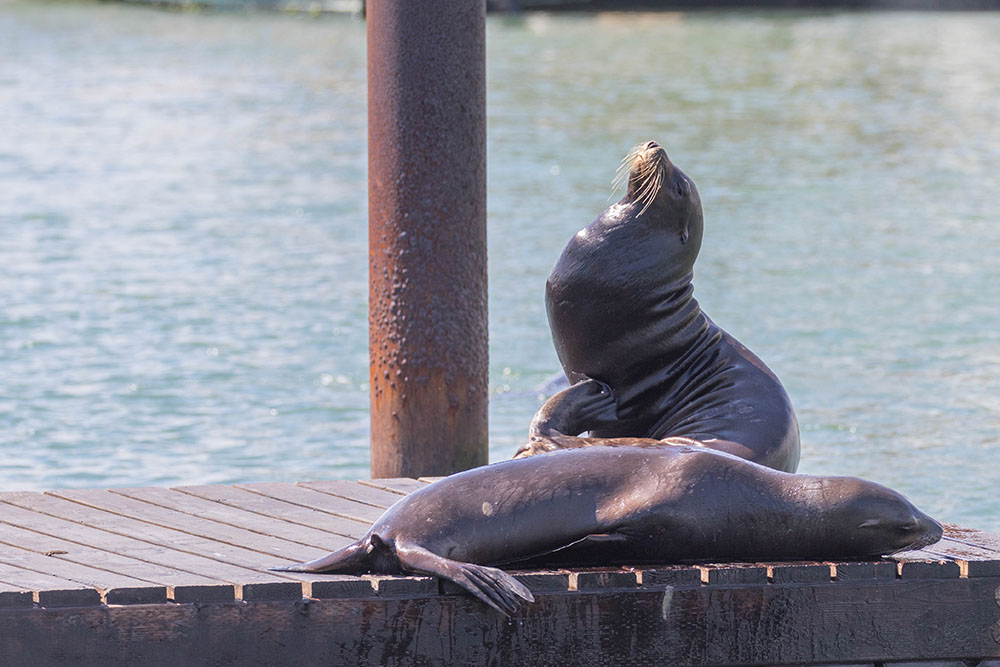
(643, 359)
(604, 504)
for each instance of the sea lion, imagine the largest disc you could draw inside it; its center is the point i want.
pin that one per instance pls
(643, 359)
(624, 504)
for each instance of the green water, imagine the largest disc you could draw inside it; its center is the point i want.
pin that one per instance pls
(183, 231)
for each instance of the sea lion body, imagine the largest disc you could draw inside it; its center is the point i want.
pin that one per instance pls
(621, 309)
(625, 504)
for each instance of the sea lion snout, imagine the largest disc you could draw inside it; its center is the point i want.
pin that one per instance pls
(924, 530)
(647, 157)
(917, 532)
(868, 518)
(914, 530)
(897, 525)
(652, 147)
(647, 169)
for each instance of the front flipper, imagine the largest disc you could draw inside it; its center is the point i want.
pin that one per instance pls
(586, 405)
(494, 587)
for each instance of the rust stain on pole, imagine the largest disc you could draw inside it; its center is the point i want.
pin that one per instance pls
(427, 236)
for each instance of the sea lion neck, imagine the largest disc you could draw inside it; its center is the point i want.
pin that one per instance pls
(616, 273)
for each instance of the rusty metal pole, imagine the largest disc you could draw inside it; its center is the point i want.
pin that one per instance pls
(427, 236)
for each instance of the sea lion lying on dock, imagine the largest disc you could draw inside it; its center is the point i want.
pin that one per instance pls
(622, 312)
(601, 505)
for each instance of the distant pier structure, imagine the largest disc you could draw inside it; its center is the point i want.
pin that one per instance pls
(514, 6)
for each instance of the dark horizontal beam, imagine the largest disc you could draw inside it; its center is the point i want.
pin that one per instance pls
(863, 621)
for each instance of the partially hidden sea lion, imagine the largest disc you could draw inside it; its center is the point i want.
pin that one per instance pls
(624, 504)
(644, 361)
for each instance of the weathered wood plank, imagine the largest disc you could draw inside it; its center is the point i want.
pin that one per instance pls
(915, 555)
(113, 553)
(696, 626)
(973, 536)
(538, 580)
(118, 553)
(233, 516)
(921, 564)
(356, 491)
(979, 550)
(80, 565)
(278, 509)
(582, 579)
(341, 586)
(733, 573)
(190, 577)
(956, 550)
(12, 597)
(401, 485)
(967, 543)
(862, 571)
(799, 572)
(930, 569)
(55, 590)
(403, 586)
(670, 575)
(33, 581)
(304, 497)
(170, 519)
(151, 542)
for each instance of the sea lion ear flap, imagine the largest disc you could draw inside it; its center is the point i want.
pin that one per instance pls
(684, 234)
(683, 188)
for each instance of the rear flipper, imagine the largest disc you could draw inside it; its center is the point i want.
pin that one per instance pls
(353, 559)
(494, 587)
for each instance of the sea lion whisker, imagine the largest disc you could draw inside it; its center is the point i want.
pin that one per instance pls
(651, 188)
(621, 174)
(632, 162)
(657, 183)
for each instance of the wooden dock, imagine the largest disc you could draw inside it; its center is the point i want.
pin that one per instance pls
(180, 576)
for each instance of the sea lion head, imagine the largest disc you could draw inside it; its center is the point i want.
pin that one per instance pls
(862, 518)
(660, 193)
